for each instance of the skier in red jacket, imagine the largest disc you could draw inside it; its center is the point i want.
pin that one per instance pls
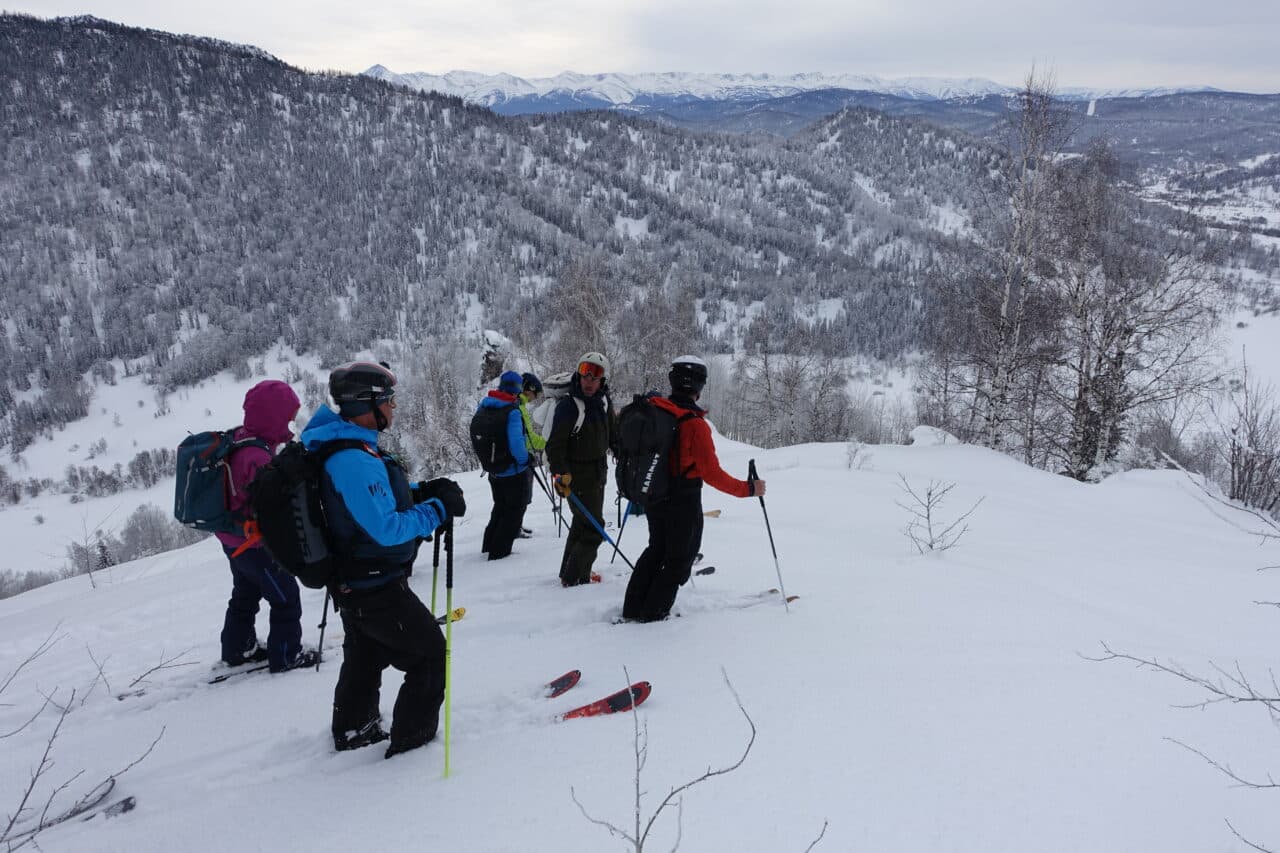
(675, 522)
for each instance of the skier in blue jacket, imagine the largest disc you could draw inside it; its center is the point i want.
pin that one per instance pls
(498, 416)
(377, 520)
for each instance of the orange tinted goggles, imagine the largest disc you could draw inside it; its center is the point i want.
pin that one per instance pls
(588, 368)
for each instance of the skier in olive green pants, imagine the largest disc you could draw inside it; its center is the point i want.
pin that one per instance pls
(582, 433)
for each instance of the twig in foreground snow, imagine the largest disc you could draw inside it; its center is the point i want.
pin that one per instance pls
(165, 663)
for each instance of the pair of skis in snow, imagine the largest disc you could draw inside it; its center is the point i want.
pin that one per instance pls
(624, 700)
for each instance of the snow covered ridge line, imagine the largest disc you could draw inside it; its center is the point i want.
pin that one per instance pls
(622, 89)
(95, 23)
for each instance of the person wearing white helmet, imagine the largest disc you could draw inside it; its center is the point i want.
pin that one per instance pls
(675, 521)
(582, 433)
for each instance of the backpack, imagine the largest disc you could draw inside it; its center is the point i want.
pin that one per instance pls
(489, 437)
(646, 438)
(202, 496)
(289, 514)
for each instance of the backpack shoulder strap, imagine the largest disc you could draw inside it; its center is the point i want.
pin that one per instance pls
(675, 450)
(324, 451)
(582, 415)
(250, 442)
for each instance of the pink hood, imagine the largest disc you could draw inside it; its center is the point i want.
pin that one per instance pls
(268, 408)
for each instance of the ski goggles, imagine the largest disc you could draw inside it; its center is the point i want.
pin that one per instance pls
(384, 397)
(590, 368)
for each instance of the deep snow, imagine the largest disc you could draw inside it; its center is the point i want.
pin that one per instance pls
(936, 702)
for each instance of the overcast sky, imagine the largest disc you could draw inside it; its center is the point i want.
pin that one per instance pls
(1230, 44)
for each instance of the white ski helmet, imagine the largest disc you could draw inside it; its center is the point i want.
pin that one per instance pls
(688, 374)
(598, 360)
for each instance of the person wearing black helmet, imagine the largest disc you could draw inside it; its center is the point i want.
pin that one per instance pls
(582, 433)
(376, 520)
(675, 521)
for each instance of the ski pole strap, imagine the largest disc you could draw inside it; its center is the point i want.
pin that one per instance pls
(252, 536)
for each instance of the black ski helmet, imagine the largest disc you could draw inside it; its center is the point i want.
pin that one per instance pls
(359, 387)
(688, 374)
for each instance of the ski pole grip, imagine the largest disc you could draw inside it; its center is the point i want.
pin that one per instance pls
(752, 476)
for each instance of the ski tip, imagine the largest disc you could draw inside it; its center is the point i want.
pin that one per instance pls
(624, 700)
(454, 615)
(559, 686)
(639, 692)
(709, 570)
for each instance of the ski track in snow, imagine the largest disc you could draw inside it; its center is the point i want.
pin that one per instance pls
(934, 702)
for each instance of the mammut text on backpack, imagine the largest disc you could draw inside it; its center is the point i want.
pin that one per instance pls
(646, 437)
(202, 497)
(489, 438)
(289, 514)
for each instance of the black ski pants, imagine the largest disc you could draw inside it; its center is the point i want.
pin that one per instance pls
(389, 626)
(508, 513)
(675, 535)
(584, 539)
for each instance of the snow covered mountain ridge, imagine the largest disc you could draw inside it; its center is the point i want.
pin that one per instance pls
(622, 89)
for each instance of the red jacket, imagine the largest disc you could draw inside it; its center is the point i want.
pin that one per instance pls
(695, 456)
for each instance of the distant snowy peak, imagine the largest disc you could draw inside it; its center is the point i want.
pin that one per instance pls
(622, 89)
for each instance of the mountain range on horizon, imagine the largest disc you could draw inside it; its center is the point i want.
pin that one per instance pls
(617, 90)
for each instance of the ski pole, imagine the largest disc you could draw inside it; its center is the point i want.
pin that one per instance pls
(448, 639)
(324, 621)
(435, 569)
(555, 510)
(622, 528)
(752, 476)
(599, 528)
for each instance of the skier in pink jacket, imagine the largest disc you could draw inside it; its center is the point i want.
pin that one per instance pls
(269, 406)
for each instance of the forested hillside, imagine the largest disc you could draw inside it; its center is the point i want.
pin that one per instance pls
(161, 188)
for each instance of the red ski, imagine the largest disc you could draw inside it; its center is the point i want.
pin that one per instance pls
(560, 686)
(624, 700)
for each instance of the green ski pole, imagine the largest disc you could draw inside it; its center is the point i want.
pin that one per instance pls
(448, 639)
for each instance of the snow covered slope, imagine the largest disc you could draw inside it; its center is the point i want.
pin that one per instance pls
(936, 702)
(124, 419)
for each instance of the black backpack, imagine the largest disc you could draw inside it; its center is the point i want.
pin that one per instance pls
(646, 438)
(285, 496)
(489, 438)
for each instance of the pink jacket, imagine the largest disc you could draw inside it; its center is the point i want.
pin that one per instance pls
(268, 408)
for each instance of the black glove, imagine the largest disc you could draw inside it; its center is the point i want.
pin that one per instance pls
(444, 490)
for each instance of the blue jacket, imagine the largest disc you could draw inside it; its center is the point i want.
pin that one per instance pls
(369, 507)
(515, 435)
